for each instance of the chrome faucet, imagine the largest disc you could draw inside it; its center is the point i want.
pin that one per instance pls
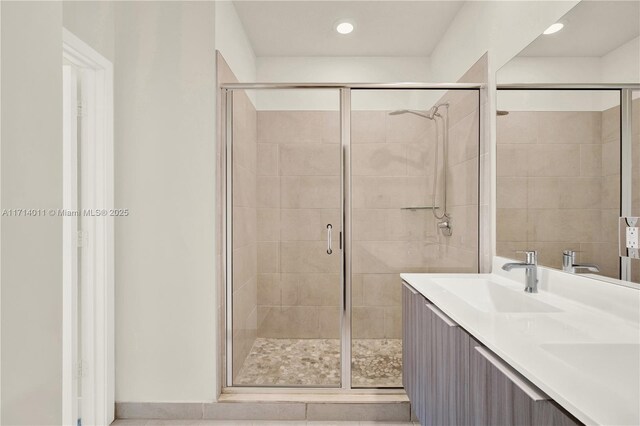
(531, 270)
(569, 263)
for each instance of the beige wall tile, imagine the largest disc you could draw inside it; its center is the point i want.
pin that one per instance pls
(387, 256)
(563, 127)
(269, 292)
(309, 159)
(512, 192)
(611, 124)
(462, 184)
(244, 226)
(244, 187)
(268, 257)
(381, 290)
(329, 322)
(315, 289)
(408, 128)
(511, 225)
(464, 139)
(611, 158)
(605, 255)
(290, 127)
(268, 225)
(610, 219)
(421, 158)
(519, 127)
(368, 127)
(245, 264)
(308, 256)
(289, 322)
(267, 159)
(393, 322)
(462, 103)
(368, 322)
(392, 225)
(564, 192)
(309, 224)
(571, 226)
(268, 195)
(554, 160)
(591, 160)
(378, 159)
(610, 191)
(298, 192)
(512, 160)
(357, 292)
(331, 127)
(378, 192)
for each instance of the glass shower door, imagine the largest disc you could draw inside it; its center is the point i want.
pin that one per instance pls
(406, 184)
(287, 260)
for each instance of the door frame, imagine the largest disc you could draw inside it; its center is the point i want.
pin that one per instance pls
(96, 274)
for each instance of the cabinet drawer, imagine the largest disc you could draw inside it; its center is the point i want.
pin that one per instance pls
(500, 396)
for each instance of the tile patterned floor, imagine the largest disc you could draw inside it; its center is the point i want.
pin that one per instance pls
(316, 362)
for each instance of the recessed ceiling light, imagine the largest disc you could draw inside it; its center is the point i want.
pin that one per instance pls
(344, 27)
(554, 28)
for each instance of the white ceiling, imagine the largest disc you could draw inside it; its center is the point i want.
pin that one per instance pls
(592, 28)
(382, 28)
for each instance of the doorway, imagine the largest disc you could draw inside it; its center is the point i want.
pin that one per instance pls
(87, 216)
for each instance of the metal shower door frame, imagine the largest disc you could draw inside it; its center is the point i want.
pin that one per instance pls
(345, 92)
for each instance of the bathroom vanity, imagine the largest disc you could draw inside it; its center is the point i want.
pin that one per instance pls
(479, 350)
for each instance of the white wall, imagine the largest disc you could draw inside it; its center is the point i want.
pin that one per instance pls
(31, 276)
(341, 69)
(93, 22)
(503, 28)
(622, 65)
(553, 70)
(165, 174)
(233, 43)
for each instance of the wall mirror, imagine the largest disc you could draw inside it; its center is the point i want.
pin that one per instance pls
(568, 142)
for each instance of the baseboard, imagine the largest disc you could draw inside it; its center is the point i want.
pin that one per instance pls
(393, 409)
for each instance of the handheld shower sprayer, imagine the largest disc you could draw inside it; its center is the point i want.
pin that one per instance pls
(434, 114)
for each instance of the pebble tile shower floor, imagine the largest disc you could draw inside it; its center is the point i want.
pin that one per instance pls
(316, 362)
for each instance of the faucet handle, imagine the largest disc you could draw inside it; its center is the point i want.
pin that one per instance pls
(532, 256)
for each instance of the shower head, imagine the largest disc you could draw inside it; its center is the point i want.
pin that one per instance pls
(428, 115)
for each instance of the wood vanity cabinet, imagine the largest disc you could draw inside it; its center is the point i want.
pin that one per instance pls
(452, 379)
(501, 396)
(436, 356)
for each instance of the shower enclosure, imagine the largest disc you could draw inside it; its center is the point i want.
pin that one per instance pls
(331, 191)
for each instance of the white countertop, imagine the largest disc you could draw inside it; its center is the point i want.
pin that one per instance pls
(582, 352)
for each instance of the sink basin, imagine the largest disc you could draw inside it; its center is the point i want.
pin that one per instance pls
(488, 296)
(618, 362)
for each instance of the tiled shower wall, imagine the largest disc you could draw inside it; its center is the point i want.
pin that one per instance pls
(558, 185)
(299, 294)
(299, 291)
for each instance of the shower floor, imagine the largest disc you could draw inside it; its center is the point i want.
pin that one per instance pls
(316, 362)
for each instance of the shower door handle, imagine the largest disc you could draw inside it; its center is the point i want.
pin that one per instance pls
(329, 250)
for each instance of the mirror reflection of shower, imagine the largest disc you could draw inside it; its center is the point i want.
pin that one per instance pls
(434, 114)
